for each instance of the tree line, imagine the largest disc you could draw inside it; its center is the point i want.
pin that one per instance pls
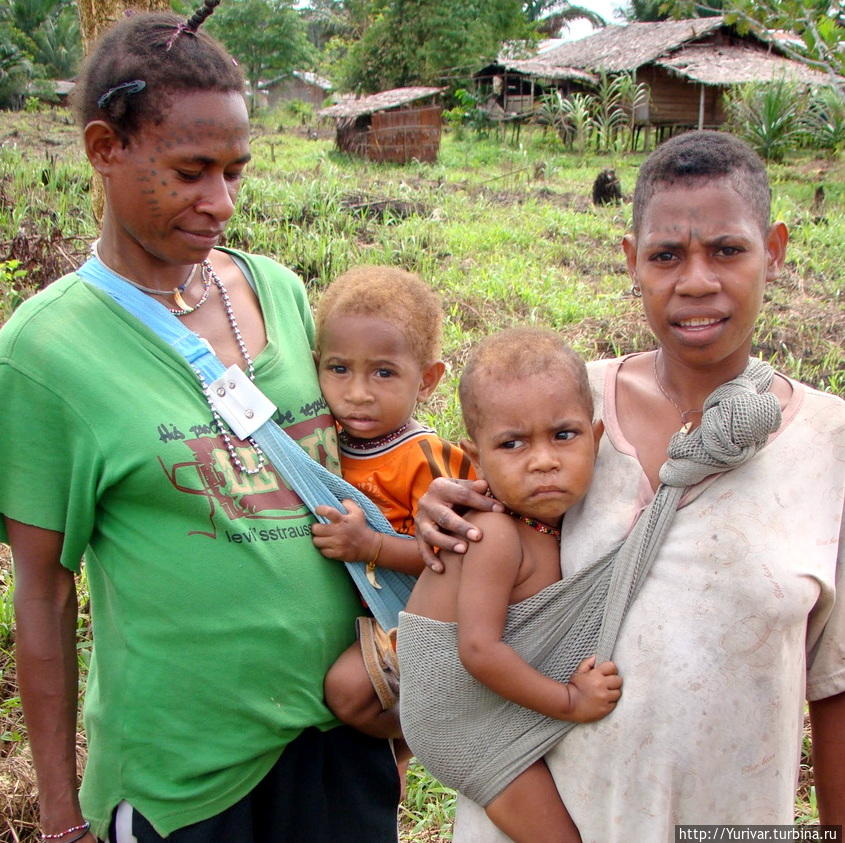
(371, 45)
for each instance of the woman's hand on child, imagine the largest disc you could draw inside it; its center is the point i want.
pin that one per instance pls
(346, 536)
(438, 525)
(594, 690)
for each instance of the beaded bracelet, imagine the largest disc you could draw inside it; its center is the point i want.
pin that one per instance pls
(83, 828)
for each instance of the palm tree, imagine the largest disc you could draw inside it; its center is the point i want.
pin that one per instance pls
(644, 10)
(552, 16)
(57, 44)
(652, 10)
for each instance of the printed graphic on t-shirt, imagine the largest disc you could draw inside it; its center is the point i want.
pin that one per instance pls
(208, 471)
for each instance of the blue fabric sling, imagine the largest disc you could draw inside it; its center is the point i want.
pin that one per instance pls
(314, 484)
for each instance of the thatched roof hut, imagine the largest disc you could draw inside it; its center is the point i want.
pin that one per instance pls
(397, 125)
(516, 84)
(624, 48)
(711, 64)
(687, 64)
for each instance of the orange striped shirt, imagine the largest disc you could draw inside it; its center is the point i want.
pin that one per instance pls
(397, 475)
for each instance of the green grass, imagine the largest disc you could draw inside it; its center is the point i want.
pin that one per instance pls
(506, 233)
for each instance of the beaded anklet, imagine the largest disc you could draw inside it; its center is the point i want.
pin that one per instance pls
(58, 835)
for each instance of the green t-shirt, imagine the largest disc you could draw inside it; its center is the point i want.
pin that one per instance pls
(214, 617)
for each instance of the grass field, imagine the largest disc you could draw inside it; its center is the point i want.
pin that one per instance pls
(507, 233)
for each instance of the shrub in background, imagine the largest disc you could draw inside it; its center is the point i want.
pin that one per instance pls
(768, 115)
(824, 120)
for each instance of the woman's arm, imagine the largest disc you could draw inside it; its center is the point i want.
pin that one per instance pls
(438, 525)
(827, 718)
(489, 572)
(45, 612)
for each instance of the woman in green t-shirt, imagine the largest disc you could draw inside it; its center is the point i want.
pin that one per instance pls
(214, 616)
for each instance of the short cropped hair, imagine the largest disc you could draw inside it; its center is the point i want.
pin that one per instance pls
(704, 156)
(517, 353)
(398, 297)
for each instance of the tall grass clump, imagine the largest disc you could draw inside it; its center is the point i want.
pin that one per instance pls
(604, 117)
(824, 120)
(768, 115)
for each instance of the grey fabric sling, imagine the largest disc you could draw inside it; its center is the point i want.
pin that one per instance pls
(478, 742)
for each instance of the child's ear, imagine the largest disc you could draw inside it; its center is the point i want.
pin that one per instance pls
(430, 377)
(316, 355)
(471, 450)
(598, 431)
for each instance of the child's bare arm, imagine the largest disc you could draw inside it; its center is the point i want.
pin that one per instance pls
(489, 573)
(348, 537)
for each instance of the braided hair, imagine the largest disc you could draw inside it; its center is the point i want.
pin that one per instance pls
(132, 72)
(195, 21)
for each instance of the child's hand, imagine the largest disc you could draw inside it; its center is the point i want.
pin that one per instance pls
(346, 536)
(593, 691)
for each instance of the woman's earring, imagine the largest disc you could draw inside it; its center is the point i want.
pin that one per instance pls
(636, 292)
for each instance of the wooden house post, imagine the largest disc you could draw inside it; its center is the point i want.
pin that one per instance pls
(701, 108)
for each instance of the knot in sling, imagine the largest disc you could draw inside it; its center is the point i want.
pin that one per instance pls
(478, 742)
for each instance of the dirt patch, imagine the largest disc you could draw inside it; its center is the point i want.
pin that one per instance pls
(819, 169)
(379, 209)
(44, 257)
(50, 133)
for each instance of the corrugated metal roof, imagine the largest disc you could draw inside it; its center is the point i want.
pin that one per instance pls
(303, 75)
(377, 102)
(711, 64)
(313, 79)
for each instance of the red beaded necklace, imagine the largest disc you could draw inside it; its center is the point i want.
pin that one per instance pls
(371, 444)
(539, 526)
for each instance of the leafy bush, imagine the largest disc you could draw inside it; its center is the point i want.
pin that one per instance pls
(15, 71)
(467, 113)
(768, 115)
(604, 118)
(13, 288)
(825, 120)
(301, 111)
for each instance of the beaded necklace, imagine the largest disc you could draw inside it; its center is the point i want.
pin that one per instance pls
(371, 444)
(250, 371)
(209, 276)
(534, 524)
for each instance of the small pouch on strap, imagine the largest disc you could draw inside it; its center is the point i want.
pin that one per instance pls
(378, 649)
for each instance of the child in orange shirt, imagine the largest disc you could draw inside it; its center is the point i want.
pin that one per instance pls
(378, 348)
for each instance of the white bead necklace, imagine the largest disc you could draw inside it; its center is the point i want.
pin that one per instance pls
(209, 276)
(250, 370)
